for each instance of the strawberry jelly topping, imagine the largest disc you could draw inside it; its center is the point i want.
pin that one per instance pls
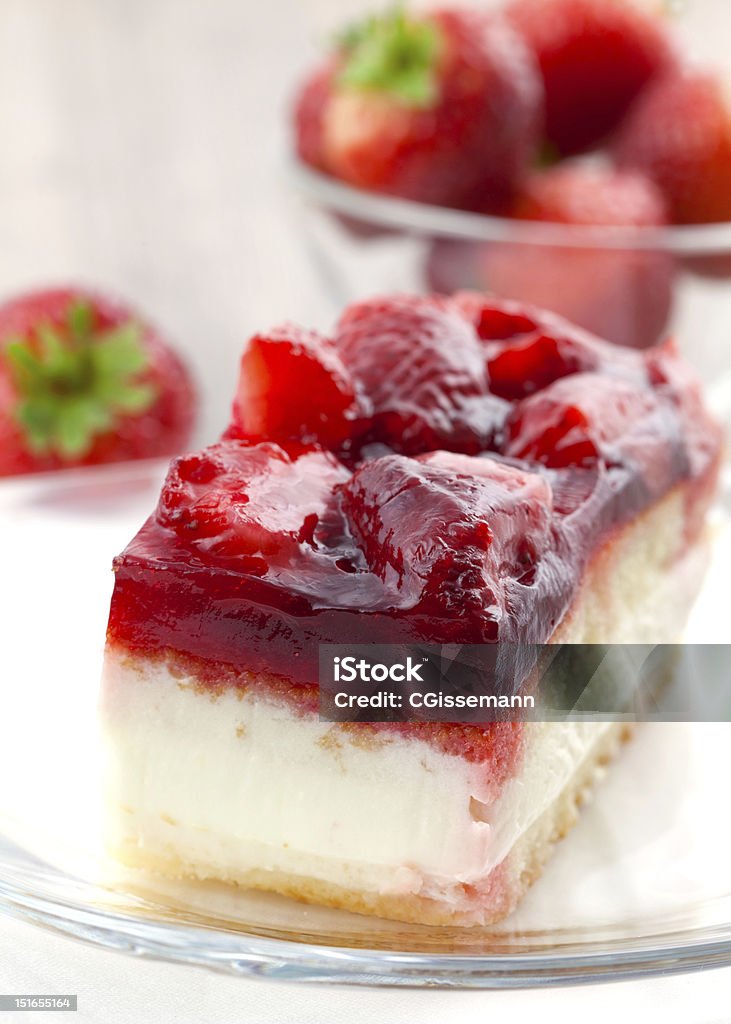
(400, 495)
(232, 500)
(424, 396)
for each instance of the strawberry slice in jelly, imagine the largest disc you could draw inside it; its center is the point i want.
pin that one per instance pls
(293, 385)
(255, 503)
(422, 366)
(442, 471)
(589, 419)
(527, 349)
(498, 319)
(530, 364)
(450, 535)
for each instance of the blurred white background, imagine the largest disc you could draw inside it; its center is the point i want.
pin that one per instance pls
(143, 149)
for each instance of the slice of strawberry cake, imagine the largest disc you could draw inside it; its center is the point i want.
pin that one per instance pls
(439, 470)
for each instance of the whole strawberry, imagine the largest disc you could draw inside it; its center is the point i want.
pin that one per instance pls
(582, 193)
(595, 56)
(621, 294)
(311, 104)
(84, 381)
(441, 108)
(679, 134)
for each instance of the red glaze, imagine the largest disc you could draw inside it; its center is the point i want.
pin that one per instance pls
(534, 362)
(622, 295)
(595, 57)
(259, 551)
(466, 147)
(679, 134)
(588, 420)
(234, 500)
(162, 429)
(482, 529)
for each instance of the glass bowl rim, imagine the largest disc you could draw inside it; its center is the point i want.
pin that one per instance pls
(407, 216)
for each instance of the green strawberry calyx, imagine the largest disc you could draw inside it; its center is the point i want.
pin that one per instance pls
(394, 54)
(75, 382)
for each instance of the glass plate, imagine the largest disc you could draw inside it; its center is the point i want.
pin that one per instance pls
(642, 885)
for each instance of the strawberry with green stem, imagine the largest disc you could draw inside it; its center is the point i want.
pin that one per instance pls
(443, 107)
(84, 381)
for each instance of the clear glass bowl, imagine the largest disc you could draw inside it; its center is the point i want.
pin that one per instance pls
(634, 286)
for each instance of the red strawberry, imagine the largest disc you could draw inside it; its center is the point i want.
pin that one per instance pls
(498, 320)
(623, 295)
(452, 536)
(233, 499)
(530, 364)
(679, 134)
(526, 349)
(442, 108)
(595, 56)
(84, 380)
(309, 108)
(588, 418)
(293, 386)
(580, 193)
(422, 368)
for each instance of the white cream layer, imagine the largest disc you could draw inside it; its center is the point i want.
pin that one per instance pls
(233, 784)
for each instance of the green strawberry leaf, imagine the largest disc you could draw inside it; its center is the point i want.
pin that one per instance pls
(37, 417)
(119, 352)
(23, 362)
(74, 383)
(60, 362)
(80, 319)
(396, 55)
(72, 427)
(134, 399)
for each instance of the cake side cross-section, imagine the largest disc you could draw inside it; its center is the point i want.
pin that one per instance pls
(439, 470)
